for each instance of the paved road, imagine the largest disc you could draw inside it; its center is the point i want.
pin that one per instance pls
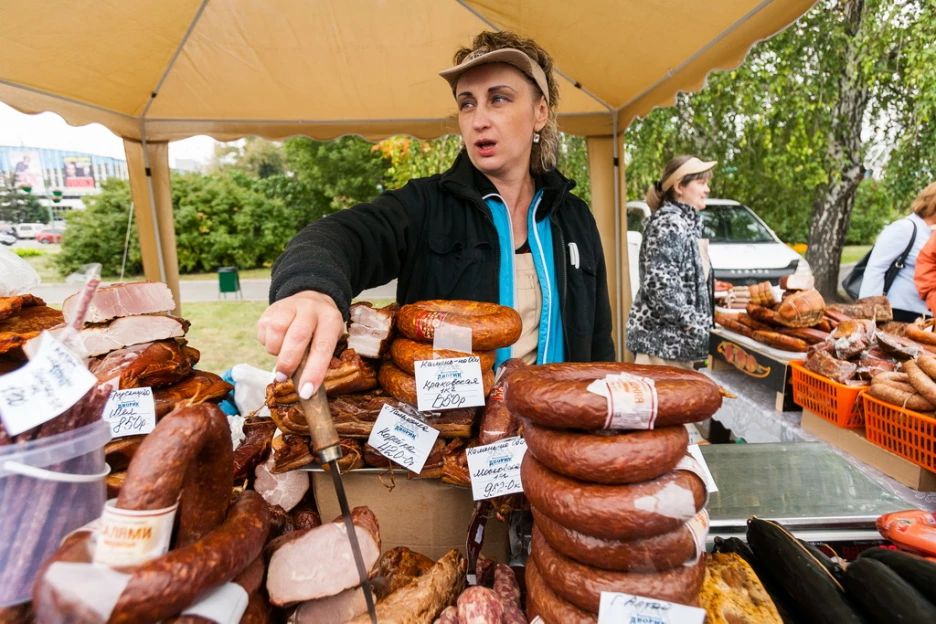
(205, 290)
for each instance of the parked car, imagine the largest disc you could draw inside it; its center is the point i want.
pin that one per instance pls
(27, 230)
(743, 250)
(49, 235)
(7, 238)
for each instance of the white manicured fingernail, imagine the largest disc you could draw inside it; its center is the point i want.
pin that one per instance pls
(279, 377)
(307, 390)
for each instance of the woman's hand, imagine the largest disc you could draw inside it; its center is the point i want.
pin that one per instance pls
(288, 326)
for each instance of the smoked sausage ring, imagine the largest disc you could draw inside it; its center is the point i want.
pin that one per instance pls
(163, 587)
(190, 452)
(556, 395)
(612, 458)
(403, 387)
(405, 353)
(492, 326)
(582, 585)
(653, 554)
(543, 602)
(611, 511)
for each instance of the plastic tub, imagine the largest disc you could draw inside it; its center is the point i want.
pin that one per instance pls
(48, 488)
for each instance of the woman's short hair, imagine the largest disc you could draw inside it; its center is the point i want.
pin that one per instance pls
(546, 152)
(925, 203)
(656, 195)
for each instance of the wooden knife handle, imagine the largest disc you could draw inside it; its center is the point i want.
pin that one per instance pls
(325, 442)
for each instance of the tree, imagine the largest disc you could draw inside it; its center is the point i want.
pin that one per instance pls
(17, 206)
(339, 173)
(410, 158)
(255, 156)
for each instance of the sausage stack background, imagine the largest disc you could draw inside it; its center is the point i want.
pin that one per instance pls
(613, 511)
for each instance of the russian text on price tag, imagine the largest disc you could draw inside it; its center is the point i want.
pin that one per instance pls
(51, 382)
(131, 412)
(495, 468)
(627, 609)
(451, 383)
(402, 439)
(696, 452)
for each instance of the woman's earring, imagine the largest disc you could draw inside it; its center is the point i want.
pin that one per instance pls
(536, 137)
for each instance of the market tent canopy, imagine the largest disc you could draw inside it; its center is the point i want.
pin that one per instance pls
(160, 71)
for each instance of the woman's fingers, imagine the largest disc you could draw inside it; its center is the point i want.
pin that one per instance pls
(328, 330)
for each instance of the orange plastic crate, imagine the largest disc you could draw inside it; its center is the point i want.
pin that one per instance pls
(900, 431)
(833, 401)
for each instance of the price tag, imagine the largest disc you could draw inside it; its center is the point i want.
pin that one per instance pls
(131, 412)
(402, 439)
(627, 609)
(451, 383)
(50, 383)
(696, 453)
(495, 468)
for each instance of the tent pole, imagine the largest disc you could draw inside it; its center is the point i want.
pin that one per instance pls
(152, 199)
(619, 300)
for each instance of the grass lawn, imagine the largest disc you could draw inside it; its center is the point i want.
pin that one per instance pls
(225, 333)
(854, 253)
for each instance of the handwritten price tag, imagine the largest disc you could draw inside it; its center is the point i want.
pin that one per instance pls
(451, 383)
(51, 382)
(131, 412)
(627, 609)
(402, 439)
(495, 468)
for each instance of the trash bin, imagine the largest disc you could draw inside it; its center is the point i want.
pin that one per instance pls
(229, 282)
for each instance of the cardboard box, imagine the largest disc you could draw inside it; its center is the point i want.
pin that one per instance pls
(425, 515)
(727, 354)
(854, 442)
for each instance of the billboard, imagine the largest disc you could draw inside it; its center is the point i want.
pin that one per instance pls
(27, 169)
(78, 172)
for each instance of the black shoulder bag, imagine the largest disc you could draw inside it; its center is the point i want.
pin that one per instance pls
(852, 281)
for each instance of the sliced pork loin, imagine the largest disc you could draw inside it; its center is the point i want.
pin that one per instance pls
(371, 329)
(332, 610)
(285, 489)
(118, 300)
(797, 282)
(132, 330)
(319, 563)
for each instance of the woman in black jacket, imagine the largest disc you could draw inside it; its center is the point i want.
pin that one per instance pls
(501, 225)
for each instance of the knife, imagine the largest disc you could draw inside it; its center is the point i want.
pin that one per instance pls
(327, 448)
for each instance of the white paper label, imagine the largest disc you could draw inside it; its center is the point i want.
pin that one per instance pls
(97, 587)
(402, 439)
(632, 401)
(131, 412)
(50, 383)
(696, 452)
(694, 436)
(495, 468)
(628, 609)
(225, 605)
(450, 337)
(128, 538)
(451, 383)
(699, 528)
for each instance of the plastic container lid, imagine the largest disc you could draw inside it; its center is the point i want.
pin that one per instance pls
(58, 448)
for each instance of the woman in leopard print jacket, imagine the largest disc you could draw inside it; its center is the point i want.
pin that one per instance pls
(671, 317)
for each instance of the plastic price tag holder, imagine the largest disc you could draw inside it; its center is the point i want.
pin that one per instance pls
(131, 412)
(495, 468)
(451, 383)
(402, 439)
(628, 609)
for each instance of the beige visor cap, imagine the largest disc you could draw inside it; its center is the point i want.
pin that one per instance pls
(511, 56)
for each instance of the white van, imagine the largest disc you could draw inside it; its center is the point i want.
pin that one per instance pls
(742, 248)
(27, 230)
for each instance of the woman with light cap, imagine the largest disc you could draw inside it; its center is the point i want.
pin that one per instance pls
(670, 320)
(501, 225)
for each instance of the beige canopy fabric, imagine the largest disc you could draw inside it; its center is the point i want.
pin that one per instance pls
(160, 71)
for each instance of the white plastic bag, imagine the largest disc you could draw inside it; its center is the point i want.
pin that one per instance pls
(250, 385)
(16, 276)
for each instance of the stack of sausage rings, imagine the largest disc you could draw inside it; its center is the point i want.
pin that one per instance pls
(492, 327)
(616, 511)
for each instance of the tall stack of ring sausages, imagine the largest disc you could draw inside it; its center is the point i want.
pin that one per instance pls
(615, 509)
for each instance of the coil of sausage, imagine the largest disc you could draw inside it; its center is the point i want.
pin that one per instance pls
(652, 554)
(613, 458)
(612, 511)
(582, 585)
(543, 602)
(403, 387)
(492, 326)
(406, 353)
(556, 395)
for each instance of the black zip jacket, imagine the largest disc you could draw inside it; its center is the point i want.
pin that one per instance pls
(437, 237)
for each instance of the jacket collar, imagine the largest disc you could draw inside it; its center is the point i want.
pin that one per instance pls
(687, 212)
(464, 180)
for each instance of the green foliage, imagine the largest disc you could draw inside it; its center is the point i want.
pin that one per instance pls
(410, 158)
(573, 163)
(25, 252)
(97, 234)
(338, 173)
(255, 156)
(873, 209)
(17, 206)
